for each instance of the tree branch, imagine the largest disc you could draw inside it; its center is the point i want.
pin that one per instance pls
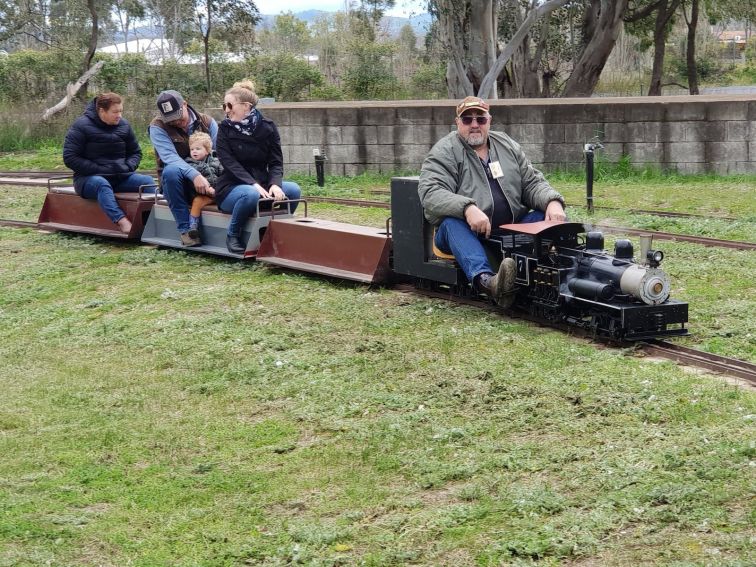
(488, 84)
(640, 14)
(71, 91)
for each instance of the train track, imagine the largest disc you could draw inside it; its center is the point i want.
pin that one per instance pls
(18, 223)
(31, 178)
(670, 236)
(670, 214)
(703, 240)
(719, 364)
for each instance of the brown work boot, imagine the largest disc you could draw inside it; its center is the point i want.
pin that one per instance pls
(190, 238)
(501, 287)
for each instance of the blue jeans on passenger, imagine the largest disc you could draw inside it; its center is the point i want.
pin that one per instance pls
(178, 189)
(454, 236)
(100, 188)
(241, 203)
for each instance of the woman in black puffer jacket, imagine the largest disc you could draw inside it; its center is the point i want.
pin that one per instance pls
(249, 148)
(102, 150)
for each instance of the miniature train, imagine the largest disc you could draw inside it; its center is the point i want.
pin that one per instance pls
(564, 276)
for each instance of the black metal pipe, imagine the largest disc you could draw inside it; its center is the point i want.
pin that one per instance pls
(589, 176)
(320, 169)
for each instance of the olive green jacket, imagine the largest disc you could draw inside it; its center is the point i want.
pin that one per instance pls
(452, 178)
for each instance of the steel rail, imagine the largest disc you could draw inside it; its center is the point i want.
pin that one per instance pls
(717, 363)
(350, 202)
(703, 240)
(18, 223)
(608, 208)
(28, 175)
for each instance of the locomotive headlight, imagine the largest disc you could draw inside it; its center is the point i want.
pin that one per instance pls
(650, 285)
(654, 257)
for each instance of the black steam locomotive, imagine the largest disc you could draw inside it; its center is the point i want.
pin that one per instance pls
(564, 276)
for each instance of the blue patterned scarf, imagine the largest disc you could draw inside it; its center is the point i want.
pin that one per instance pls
(247, 124)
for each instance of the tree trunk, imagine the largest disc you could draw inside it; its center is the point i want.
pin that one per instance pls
(453, 26)
(206, 45)
(488, 85)
(606, 28)
(92, 46)
(654, 89)
(664, 14)
(483, 41)
(691, 49)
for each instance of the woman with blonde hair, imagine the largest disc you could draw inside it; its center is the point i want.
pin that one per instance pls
(249, 148)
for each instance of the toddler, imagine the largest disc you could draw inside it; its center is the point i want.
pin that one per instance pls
(202, 159)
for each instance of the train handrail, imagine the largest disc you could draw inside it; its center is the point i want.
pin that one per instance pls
(56, 178)
(287, 202)
(142, 187)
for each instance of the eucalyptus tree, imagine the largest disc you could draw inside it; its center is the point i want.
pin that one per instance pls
(654, 17)
(237, 18)
(288, 34)
(469, 34)
(601, 25)
(127, 12)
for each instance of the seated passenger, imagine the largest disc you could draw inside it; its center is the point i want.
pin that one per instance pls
(169, 133)
(102, 151)
(202, 159)
(474, 179)
(249, 147)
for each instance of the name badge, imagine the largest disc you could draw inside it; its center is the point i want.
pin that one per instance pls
(496, 170)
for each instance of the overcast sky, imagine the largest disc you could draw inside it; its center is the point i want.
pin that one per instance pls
(404, 8)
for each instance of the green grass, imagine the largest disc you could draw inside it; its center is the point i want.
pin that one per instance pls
(162, 408)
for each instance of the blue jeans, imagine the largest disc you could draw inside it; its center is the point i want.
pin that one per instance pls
(454, 236)
(98, 187)
(178, 189)
(242, 201)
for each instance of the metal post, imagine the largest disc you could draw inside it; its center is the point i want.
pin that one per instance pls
(319, 166)
(589, 152)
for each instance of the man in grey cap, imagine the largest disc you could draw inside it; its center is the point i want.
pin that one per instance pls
(473, 180)
(169, 133)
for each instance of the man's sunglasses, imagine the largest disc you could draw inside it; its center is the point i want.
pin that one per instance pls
(467, 120)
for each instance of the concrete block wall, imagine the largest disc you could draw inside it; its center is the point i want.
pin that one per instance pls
(713, 133)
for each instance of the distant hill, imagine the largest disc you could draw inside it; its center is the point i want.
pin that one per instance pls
(420, 25)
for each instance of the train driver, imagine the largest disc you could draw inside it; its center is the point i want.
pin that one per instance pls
(473, 179)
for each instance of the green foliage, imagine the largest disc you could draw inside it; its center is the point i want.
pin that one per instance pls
(39, 72)
(286, 77)
(429, 81)
(289, 34)
(123, 74)
(369, 75)
(327, 92)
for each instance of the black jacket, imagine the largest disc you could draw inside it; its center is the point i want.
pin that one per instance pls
(95, 148)
(248, 159)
